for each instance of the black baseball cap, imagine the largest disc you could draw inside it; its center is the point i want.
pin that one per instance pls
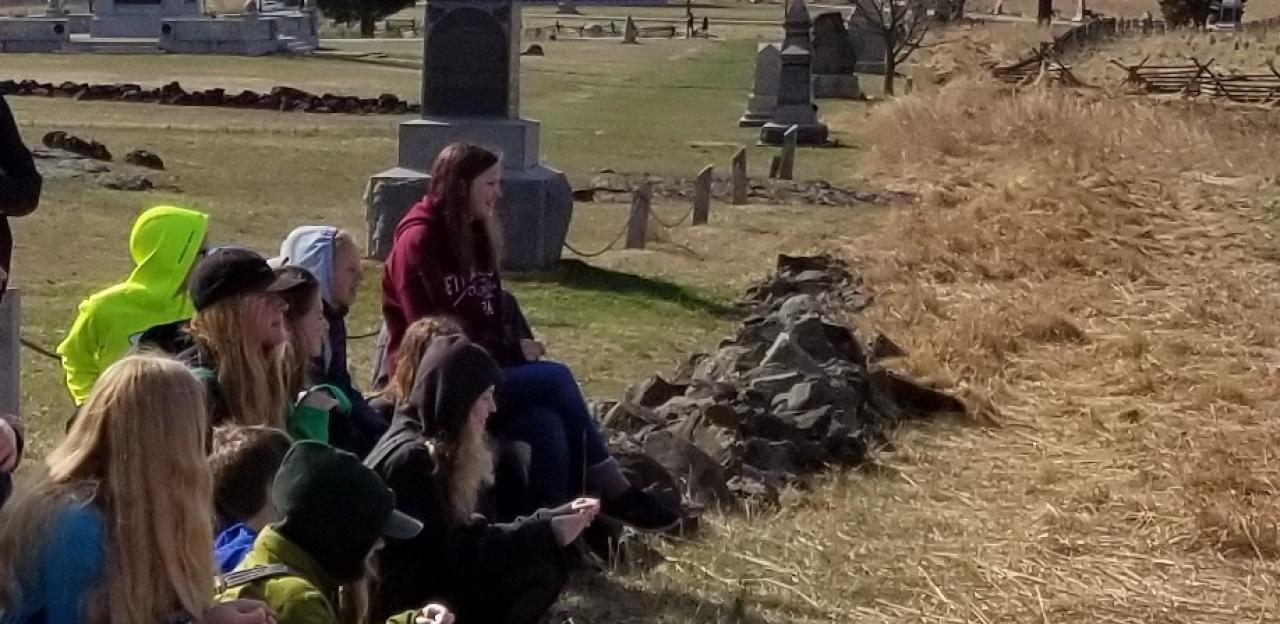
(319, 485)
(230, 271)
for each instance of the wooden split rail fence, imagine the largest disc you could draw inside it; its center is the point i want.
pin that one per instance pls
(1200, 79)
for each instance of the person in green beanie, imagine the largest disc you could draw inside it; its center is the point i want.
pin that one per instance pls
(311, 567)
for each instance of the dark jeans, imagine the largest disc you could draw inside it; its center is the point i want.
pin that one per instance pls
(540, 403)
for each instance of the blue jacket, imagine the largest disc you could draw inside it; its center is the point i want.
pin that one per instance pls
(232, 545)
(68, 571)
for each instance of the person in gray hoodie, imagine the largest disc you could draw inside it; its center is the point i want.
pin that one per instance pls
(333, 257)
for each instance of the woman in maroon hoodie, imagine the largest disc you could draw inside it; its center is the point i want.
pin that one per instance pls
(444, 263)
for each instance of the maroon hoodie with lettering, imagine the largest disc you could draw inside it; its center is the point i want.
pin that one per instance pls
(421, 278)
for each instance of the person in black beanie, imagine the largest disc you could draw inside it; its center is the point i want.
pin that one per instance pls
(19, 195)
(437, 459)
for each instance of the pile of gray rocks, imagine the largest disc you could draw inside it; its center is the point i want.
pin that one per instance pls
(792, 392)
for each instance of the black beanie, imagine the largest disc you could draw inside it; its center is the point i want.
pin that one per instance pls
(451, 376)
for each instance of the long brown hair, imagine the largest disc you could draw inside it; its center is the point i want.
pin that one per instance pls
(415, 342)
(255, 382)
(471, 240)
(298, 362)
(136, 454)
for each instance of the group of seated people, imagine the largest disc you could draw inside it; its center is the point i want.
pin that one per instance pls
(222, 467)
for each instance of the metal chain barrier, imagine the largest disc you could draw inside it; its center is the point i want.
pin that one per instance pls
(606, 249)
(653, 213)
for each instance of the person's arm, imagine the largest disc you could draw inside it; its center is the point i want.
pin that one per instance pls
(71, 565)
(304, 605)
(12, 423)
(79, 353)
(20, 183)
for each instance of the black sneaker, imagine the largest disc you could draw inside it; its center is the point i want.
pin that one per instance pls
(640, 510)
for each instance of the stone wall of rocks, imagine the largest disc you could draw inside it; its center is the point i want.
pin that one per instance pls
(283, 99)
(792, 392)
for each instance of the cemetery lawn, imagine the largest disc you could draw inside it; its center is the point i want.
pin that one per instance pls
(664, 107)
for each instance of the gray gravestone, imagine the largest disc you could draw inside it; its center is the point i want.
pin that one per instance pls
(630, 33)
(638, 221)
(795, 87)
(832, 49)
(868, 45)
(702, 195)
(787, 164)
(10, 352)
(834, 62)
(740, 177)
(471, 93)
(764, 89)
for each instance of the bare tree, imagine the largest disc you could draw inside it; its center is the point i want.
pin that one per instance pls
(902, 24)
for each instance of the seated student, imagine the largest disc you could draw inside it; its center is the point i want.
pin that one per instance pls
(511, 495)
(118, 526)
(437, 460)
(244, 461)
(305, 320)
(444, 262)
(238, 337)
(311, 567)
(166, 242)
(333, 257)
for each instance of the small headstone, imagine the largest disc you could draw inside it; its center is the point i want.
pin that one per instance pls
(740, 177)
(630, 33)
(533, 50)
(638, 222)
(786, 169)
(775, 165)
(567, 7)
(702, 196)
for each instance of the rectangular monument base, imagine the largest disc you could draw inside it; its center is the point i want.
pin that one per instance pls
(759, 111)
(837, 87)
(421, 140)
(534, 212)
(33, 34)
(807, 134)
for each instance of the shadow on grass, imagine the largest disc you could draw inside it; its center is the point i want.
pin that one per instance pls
(578, 275)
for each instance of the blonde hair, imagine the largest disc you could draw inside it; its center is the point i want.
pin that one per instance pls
(414, 344)
(344, 240)
(255, 382)
(136, 454)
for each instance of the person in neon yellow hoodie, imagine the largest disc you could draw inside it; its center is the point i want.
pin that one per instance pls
(166, 242)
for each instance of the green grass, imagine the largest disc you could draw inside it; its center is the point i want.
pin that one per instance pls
(260, 173)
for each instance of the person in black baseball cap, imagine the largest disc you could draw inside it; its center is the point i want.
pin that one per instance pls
(238, 338)
(334, 513)
(234, 271)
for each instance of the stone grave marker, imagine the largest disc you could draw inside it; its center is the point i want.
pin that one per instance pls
(764, 89)
(834, 62)
(702, 195)
(795, 87)
(630, 33)
(740, 180)
(470, 93)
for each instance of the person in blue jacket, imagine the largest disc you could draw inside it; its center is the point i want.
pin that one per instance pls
(118, 527)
